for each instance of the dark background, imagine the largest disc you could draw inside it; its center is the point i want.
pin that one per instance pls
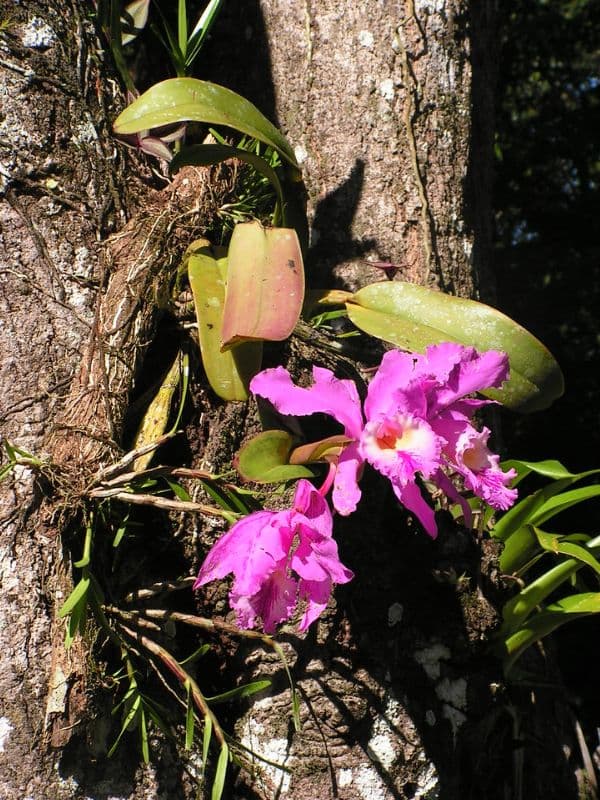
(547, 205)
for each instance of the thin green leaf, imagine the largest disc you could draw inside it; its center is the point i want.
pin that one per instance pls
(189, 717)
(196, 655)
(246, 690)
(563, 501)
(554, 543)
(544, 623)
(87, 545)
(182, 29)
(11, 451)
(219, 781)
(412, 317)
(79, 592)
(76, 623)
(121, 531)
(202, 29)
(178, 490)
(189, 99)
(524, 512)
(171, 45)
(144, 735)
(5, 470)
(206, 740)
(184, 377)
(295, 700)
(548, 469)
(222, 498)
(128, 719)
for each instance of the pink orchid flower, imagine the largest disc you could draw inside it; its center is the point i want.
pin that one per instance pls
(417, 423)
(279, 558)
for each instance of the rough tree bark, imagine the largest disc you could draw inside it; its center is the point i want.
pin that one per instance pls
(388, 105)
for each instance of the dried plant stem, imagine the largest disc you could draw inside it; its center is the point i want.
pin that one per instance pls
(182, 676)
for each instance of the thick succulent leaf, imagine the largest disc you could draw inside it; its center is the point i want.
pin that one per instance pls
(203, 155)
(265, 459)
(265, 284)
(228, 373)
(412, 317)
(189, 99)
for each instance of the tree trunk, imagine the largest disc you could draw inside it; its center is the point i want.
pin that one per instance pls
(388, 106)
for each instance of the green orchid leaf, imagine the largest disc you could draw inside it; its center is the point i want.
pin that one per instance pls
(219, 781)
(540, 625)
(247, 690)
(413, 317)
(77, 595)
(206, 736)
(228, 373)
(265, 459)
(565, 500)
(202, 155)
(519, 548)
(189, 99)
(525, 511)
(518, 608)
(265, 284)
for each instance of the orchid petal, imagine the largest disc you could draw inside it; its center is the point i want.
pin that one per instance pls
(472, 371)
(346, 492)
(274, 602)
(395, 372)
(224, 556)
(317, 593)
(312, 508)
(327, 395)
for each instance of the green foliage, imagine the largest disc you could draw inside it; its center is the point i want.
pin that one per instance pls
(545, 562)
(230, 372)
(192, 100)
(184, 47)
(265, 459)
(15, 457)
(413, 317)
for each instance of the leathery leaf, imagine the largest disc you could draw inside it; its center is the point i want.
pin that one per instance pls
(413, 317)
(228, 373)
(265, 284)
(193, 100)
(265, 459)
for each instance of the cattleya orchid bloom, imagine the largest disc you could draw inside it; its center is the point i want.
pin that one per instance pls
(417, 424)
(279, 558)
